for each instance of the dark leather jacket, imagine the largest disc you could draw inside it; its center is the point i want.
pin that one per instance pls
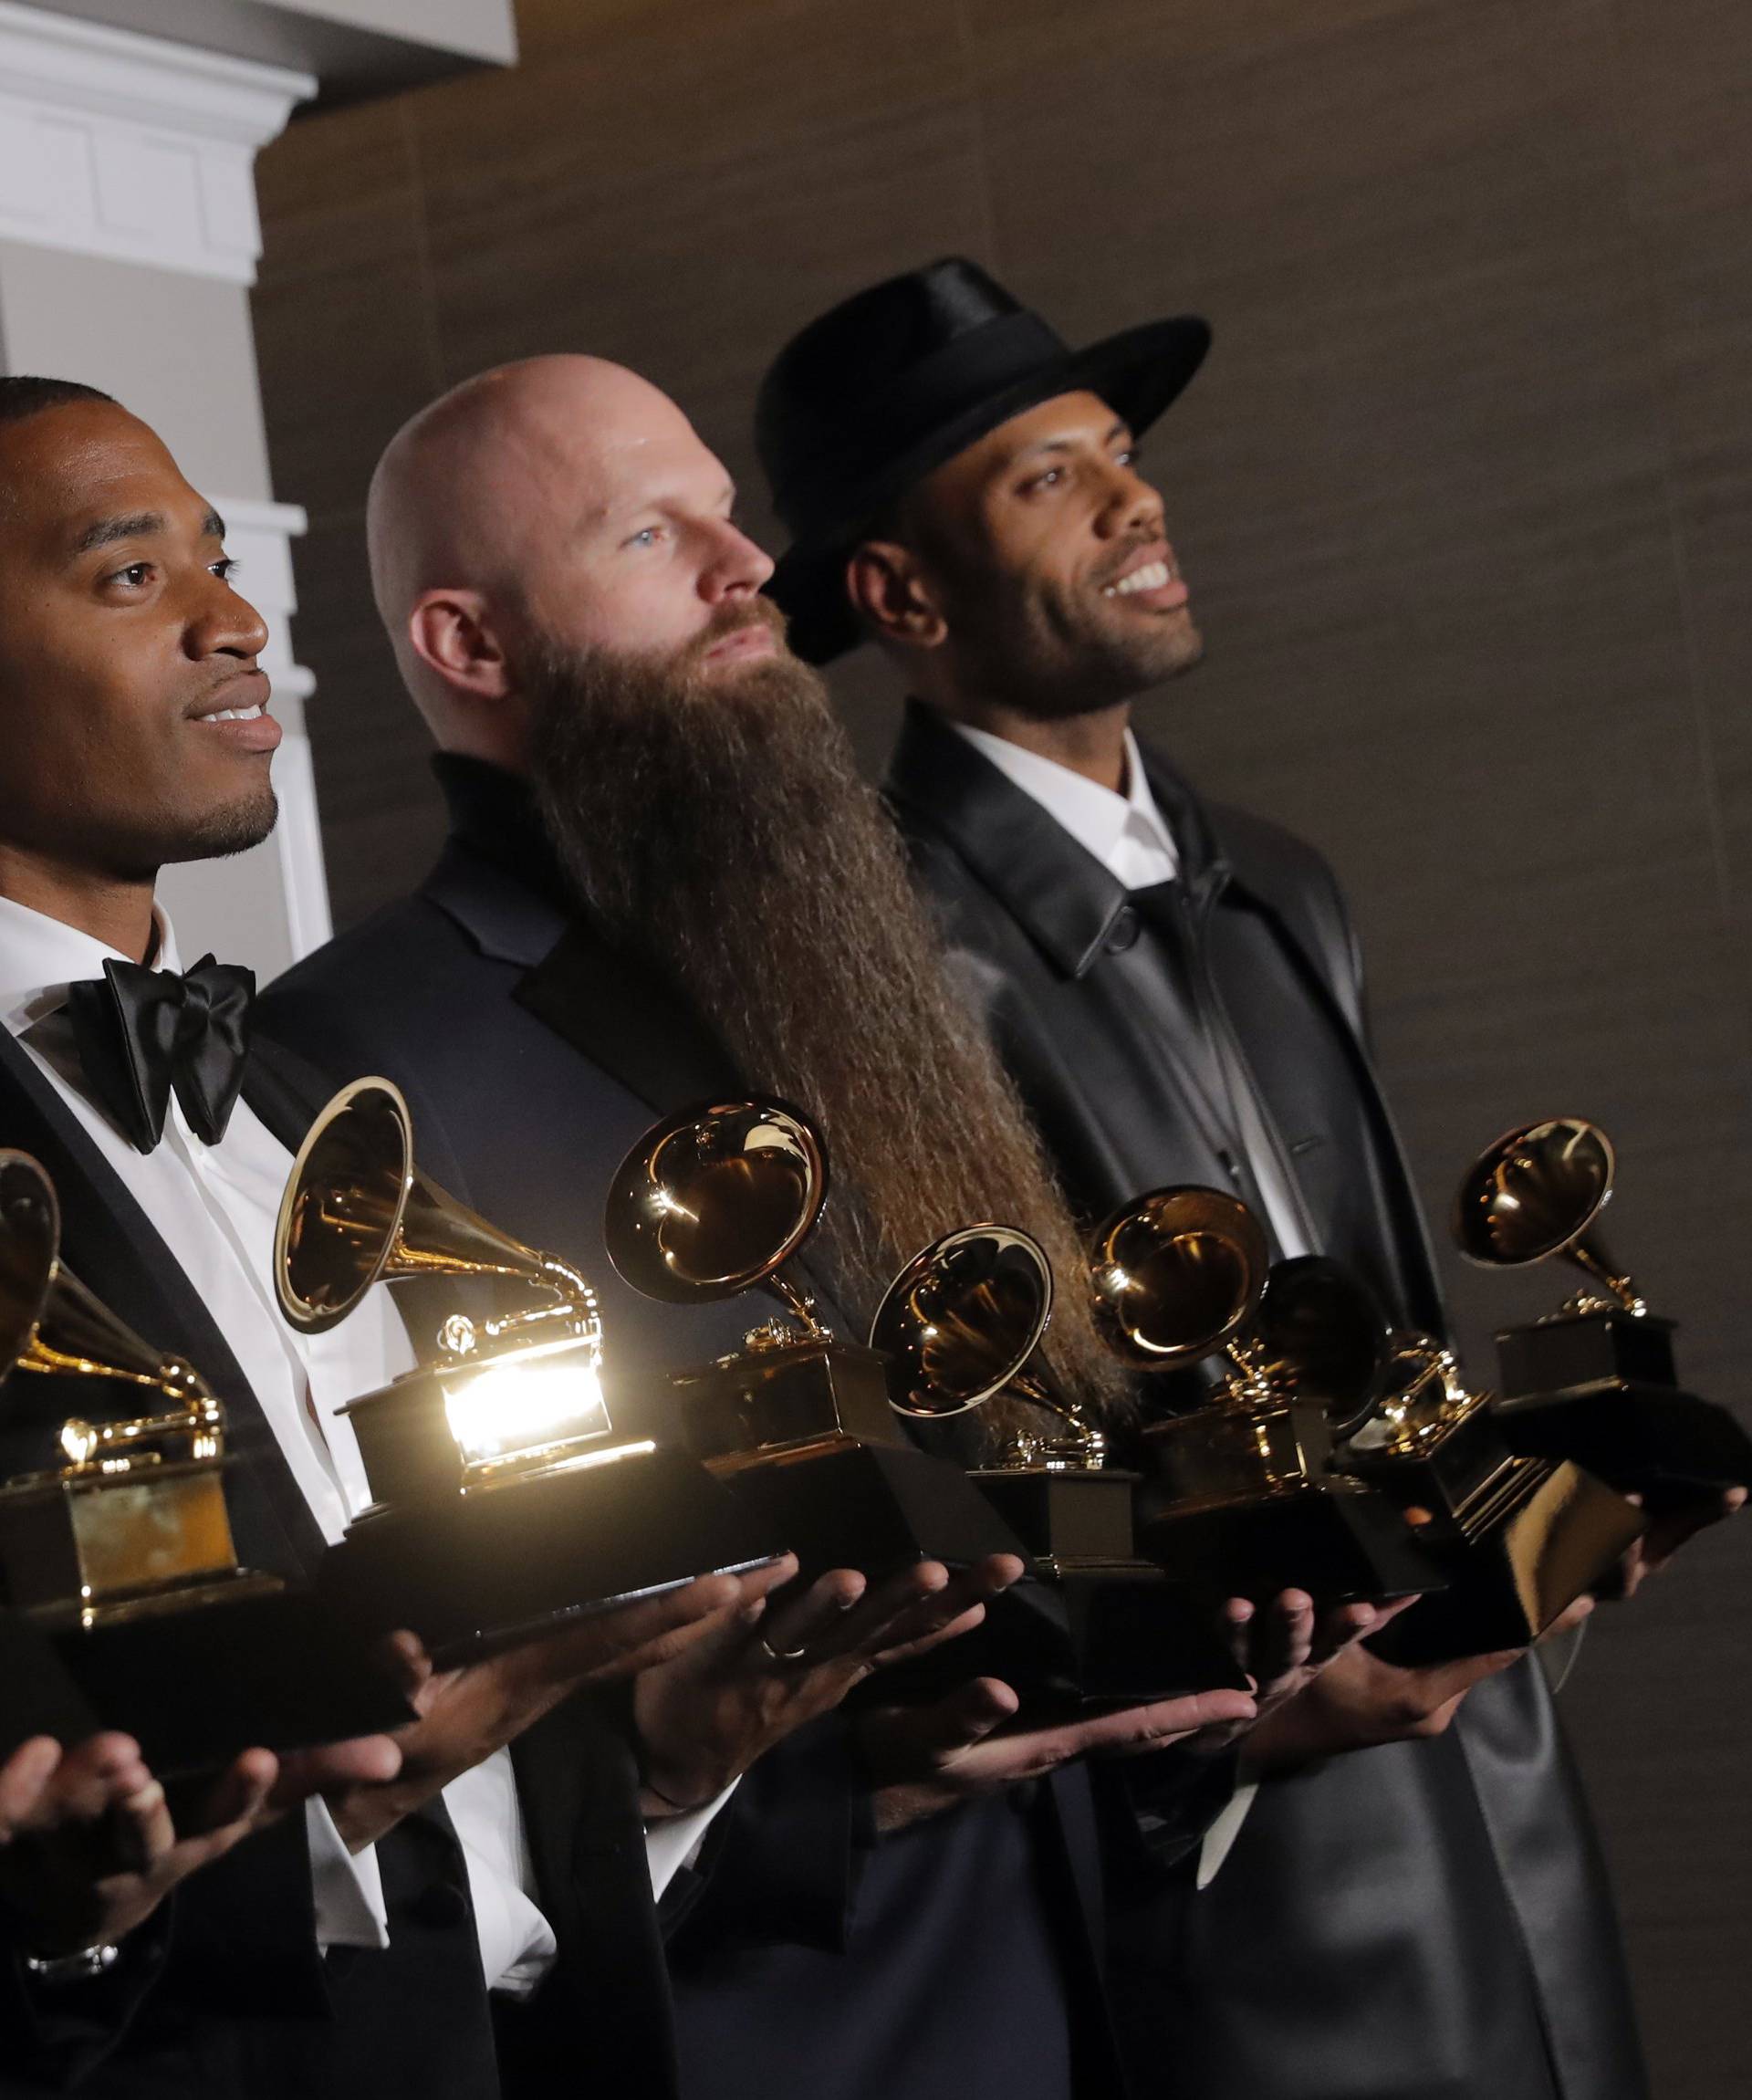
(1430, 1917)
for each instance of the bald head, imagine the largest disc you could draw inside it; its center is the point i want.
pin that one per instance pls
(561, 501)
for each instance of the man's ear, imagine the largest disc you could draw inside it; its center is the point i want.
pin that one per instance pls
(453, 633)
(893, 596)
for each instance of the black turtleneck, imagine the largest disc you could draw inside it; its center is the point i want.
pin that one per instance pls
(493, 813)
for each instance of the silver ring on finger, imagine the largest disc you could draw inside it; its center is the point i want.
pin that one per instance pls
(782, 1658)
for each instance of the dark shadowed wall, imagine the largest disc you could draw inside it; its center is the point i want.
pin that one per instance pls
(1464, 497)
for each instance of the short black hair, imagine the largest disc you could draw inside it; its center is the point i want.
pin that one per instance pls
(21, 395)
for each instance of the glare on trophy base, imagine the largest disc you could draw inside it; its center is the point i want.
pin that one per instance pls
(504, 1505)
(712, 1202)
(122, 1557)
(1243, 1498)
(1519, 1538)
(1595, 1381)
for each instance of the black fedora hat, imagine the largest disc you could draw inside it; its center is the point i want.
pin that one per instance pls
(866, 400)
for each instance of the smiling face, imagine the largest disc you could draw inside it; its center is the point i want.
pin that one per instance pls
(1035, 565)
(133, 724)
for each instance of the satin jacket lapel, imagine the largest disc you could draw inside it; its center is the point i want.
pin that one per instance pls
(1063, 897)
(111, 1245)
(624, 1018)
(1066, 903)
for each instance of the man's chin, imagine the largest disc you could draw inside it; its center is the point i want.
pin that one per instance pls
(233, 829)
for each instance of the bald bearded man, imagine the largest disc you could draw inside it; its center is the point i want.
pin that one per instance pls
(666, 879)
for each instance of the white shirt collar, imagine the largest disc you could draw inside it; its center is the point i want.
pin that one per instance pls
(1100, 821)
(40, 956)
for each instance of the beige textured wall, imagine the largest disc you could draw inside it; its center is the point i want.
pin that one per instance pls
(1465, 495)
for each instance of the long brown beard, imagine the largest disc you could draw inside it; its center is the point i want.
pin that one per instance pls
(719, 828)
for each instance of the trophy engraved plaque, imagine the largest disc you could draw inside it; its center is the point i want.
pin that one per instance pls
(1242, 1498)
(1519, 1538)
(712, 1202)
(122, 1556)
(959, 1327)
(504, 1505)
(1595, 1381)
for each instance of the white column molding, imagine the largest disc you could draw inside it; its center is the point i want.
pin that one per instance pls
(131, 147)
(258, 537)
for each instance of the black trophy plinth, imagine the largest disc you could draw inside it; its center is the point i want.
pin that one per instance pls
(1334, 1539)
(1136, 1635)
(513, 1558)
(237, 1664)
(1521, 1555)
(803, 1435)
(1519, 1539)
(1601, 1388)
(1242, 1501)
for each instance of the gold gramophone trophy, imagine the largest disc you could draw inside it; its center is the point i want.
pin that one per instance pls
(712, 1202)
(504, 1503)
(123, 1555)
(1242, 1497)
(1595, 1381)
(1519, 1538)
(959, 1327)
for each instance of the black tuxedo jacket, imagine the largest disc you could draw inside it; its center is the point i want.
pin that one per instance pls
(222, 1995)
(1429, 1917)
(956, 1962)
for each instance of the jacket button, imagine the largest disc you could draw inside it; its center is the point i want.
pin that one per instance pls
(1123, 933)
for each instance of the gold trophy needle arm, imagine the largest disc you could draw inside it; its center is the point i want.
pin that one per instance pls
(799, 1305)
(1593, 1260)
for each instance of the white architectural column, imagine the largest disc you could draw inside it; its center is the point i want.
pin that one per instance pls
(128, 242)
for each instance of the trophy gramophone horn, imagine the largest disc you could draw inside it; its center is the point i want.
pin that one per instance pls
(1321, 1332)
(1174, 1277)
(961, 1319)
(357, 1211)
(1537, 1192)
(715, 1200)
(959, 1324)
(51, 1324)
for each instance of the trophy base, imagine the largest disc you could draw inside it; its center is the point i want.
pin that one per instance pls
(1543, 1535)
(1586, 1349)
(516, 1557)
(1099, 1630)
(1341, 1542)
(241, 1663)
(1136, 1635)
(878, 1507)
(1085, 1641)
(1653, 1438)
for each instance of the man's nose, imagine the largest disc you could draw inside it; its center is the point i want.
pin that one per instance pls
(222, 624)
(737, 567)
(1133, 509)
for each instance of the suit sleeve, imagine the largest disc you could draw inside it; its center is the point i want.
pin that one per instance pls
(53, 2035)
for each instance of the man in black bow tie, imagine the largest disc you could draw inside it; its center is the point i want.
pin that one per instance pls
(1413, 1903)
(346, 1949)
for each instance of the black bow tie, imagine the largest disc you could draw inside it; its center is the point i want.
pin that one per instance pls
(142, 1033)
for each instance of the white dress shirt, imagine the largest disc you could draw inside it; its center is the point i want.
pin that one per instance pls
(214, 1207)
(1129, 835)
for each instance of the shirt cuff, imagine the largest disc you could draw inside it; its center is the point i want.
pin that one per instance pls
(1214, 1849)
(675, 1843)
(348, 1886)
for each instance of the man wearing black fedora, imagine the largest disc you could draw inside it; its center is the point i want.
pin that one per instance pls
(1411, 1899)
